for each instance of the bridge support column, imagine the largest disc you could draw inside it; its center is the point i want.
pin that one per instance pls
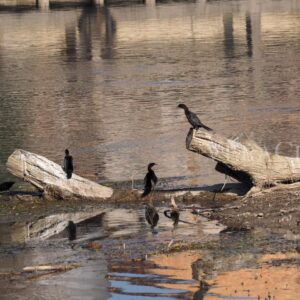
(43, 4)
(150, 2)
(99, 2)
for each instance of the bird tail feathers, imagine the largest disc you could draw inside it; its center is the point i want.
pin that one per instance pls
(207, 128)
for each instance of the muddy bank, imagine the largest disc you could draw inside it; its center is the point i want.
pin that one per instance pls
(277, 210)
(27, 207)
(24, 202)
(192, 259)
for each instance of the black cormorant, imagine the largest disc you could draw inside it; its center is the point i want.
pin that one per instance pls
(68, 164)
(71, 228)
(150, 180)
(193, 118)
(173, 213)
(151, 215)
(5, 186)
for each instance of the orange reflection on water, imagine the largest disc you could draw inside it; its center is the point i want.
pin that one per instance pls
(178, 267)
(267, 282)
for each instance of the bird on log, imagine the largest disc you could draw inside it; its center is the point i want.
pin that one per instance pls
(193, 118)
(71, 229)
(68, 164)
(150, 180)
(173, 213)
(151, 215)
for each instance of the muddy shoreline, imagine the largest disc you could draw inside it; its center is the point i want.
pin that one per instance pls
(278, 210)
(256, 227)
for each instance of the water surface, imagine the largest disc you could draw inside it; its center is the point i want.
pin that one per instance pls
(113, 249)
(105, 82)
(117, 268)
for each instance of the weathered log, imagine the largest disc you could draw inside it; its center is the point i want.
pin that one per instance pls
(49, 177)
(244, 160)
(64, 267)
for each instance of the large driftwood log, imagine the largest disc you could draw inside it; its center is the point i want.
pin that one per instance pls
(244, 160)
(62, 267)
(51, 179)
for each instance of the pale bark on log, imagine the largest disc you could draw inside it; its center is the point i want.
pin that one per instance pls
(244, 160)
(49, 177)
(51, 268)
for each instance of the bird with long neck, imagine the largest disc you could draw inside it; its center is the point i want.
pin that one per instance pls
(68, 164)
(193, 118)
(150, 180)
(173, 213)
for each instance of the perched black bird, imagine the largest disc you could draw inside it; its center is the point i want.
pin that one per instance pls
(68, 164)
(71, 228)
(5, 186)
(193, 118)
(150, 180)
(151, 215)
(173, 213)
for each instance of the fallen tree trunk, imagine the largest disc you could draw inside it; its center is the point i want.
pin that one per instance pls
(49, 177)
(64, 267)
(244, 160)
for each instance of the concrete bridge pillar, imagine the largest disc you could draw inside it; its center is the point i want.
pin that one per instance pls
(43, 4)
(150, 2)
(99, 2)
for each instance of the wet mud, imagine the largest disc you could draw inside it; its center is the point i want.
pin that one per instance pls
(121, 257)
(277, 211)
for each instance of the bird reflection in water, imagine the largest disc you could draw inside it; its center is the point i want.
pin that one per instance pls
(151, 215)
(173, 213)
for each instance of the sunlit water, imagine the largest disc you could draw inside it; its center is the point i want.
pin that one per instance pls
(105, 83)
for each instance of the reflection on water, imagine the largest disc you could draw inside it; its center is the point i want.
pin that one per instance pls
(266, 282)
(105, 82)
(14, 233)
(120, 268)
(123, 235)
(177, 266)
(162, 277)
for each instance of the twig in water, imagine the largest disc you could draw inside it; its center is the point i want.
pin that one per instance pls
(170, 244)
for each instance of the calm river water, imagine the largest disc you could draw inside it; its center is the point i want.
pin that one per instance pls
(106, 82)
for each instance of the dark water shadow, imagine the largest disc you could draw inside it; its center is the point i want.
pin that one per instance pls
(237, 188)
